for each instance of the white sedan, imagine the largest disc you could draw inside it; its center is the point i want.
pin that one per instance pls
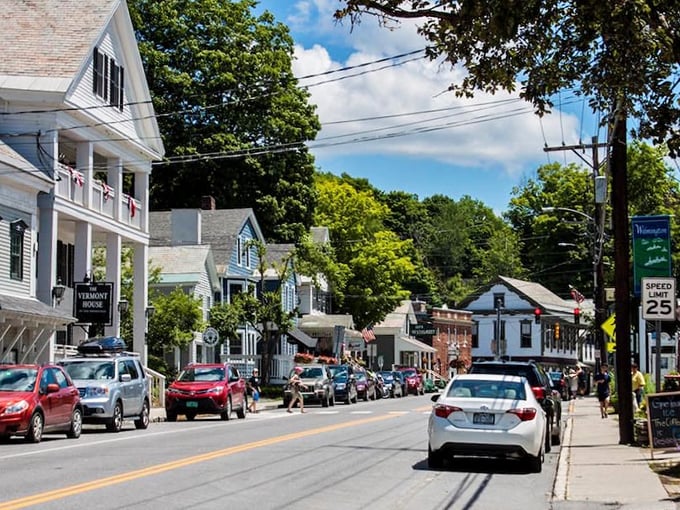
(487, 415)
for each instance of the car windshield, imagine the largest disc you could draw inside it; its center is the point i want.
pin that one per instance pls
(361, 376)
(18, 379)
(340, 376)
(91, 369)
(556, 376)
(487, 389)
(387, 376)
(337, 371)
(311, 373)
(202, 374)
(409, 373)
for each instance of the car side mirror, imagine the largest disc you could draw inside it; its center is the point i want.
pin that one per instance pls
(125, 378)
(435, 397)
(52, 388)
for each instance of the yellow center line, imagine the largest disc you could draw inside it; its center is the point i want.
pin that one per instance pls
(45, 497)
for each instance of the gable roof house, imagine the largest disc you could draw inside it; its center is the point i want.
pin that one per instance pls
(76, 110)
(550, 336)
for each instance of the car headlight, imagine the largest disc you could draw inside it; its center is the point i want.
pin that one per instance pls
(172, 390)
(217, 390)
(97, 391)
(340, 386)
(17, 407)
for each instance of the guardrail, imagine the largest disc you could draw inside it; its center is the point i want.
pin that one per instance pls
(156, 387)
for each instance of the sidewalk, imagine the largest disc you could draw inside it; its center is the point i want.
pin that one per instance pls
(596, 470)
(158, 413)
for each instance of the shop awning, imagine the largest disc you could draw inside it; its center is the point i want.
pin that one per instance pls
(35, 310)
(408, 344)
(301, 337)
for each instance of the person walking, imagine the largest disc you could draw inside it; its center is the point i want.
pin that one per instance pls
(638, 382)
(573, 383)
(602, 381)
(254, 390)
(296, 387)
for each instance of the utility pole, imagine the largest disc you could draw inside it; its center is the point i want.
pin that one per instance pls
(598, 238)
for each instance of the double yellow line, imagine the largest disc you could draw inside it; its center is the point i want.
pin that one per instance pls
(53, 495)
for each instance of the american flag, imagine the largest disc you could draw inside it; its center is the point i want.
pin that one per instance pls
(367, 334)
(576, 295)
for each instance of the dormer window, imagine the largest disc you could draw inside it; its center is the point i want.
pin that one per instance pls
(108, 79)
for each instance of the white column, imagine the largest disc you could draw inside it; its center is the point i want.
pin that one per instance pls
(47, 247)
(140, 298)
(113, 274)
(142, 194)
(82, 265)
(85, 164)
(115, 180)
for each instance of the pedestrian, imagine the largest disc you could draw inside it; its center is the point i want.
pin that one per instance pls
(296, 386)
(254, 390)
(573, 383)
(638, 382)
(602, 381)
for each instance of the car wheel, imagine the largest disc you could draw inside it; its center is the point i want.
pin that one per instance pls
(226, 414)
(76, 424)
(35, 428)
(170, 416)
(241, 413)
(535, 464)
(115, 423)
(557, 434)
(190, 416)
(326, 401)
(435, 459)
(143, 421)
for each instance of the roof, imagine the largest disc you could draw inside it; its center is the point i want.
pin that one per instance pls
(398, 317)
(183, 264)
(320, 235)
(56, 35)
(9, 157)
(37, 310)
(219, 228)
(309, 322)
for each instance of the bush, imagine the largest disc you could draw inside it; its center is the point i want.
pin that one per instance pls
(272, 391)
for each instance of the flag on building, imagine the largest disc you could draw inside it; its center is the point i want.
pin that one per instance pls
(367, 334)
(576, 295)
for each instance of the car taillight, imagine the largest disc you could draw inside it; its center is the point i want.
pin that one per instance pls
(524, 413)
(443, 411)
(539, 392)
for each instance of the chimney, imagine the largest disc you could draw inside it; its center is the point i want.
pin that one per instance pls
(208, 203)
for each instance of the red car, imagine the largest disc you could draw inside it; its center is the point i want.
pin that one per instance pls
(414, 383)
(37, 399)
(207, 388)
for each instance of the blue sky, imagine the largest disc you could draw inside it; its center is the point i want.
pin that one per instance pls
(397, 125)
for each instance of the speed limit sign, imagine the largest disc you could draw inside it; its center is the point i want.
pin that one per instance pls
(658, 299)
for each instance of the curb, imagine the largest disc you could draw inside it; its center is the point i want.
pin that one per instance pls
(562, 476)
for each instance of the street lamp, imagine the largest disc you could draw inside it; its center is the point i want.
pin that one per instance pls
(598, 271)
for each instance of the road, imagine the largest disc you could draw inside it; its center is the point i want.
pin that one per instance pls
(370, 455)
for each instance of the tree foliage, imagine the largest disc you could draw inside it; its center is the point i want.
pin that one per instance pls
(624, 53)
(233, 120)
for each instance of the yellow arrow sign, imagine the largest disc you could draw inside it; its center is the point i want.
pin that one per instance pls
(609, 326)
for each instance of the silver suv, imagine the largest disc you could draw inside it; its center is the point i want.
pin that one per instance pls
(318, 384)
(112, 383)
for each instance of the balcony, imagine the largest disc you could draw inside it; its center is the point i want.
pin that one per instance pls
(71, 186)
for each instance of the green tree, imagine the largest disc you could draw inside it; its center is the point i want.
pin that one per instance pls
(177, 317)
(233, 119)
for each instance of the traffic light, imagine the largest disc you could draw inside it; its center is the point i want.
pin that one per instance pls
(577, 315)
(537, 315)
(557, 331)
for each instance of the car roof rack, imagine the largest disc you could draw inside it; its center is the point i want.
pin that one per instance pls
(106, 346)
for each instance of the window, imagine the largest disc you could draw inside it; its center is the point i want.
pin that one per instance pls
(499, 299)
(246, 252)
(236, 344)
(65, 264)
(239, 250)
(16, 249)
(234, 289)
(525, 334)
(474, 341)
(108, 79)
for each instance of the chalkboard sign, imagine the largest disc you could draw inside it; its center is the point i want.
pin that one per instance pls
(663, 420)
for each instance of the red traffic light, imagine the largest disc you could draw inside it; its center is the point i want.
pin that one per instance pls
(537, 315)
(577, 315)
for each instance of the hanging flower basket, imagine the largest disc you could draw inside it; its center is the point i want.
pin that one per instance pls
(303, 357)
(328, 360)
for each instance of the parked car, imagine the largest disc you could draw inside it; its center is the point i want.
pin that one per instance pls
(112, 383)
(393, 385)
(414, 383)
(38, 399)
(318, 383)
(559, 383)
(207, 388)
(344, 383)
(550, 400)
(487, 415)
(400, 380)
(365, 385)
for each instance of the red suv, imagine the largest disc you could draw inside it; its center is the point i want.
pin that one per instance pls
(207, 388)
(38, 398)
(414, 383)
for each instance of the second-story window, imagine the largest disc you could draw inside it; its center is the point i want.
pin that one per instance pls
(239, 250)
(16, 250)
(525, 334)
(108, 79)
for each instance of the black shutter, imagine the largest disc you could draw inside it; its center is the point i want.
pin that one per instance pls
(121, 93)
(95, 71)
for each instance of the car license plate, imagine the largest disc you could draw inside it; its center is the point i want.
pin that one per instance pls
(191, 403)
(483, 418)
